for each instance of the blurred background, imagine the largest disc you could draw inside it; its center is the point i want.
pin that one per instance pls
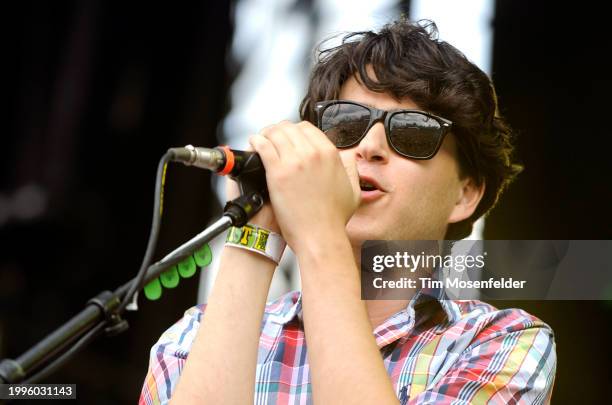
(96, 91)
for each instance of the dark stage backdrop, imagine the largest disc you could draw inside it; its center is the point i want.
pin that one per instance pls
(96, 91)
(552, 73)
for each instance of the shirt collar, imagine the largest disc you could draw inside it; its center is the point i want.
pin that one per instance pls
(424, 306)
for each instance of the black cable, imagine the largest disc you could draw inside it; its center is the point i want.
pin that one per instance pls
(58, 362)
(110, 323)
(136, 282)
(153, 236)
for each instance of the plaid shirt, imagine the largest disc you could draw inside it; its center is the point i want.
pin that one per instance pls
(435, 351)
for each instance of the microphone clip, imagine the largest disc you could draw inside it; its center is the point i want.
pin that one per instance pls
(251, 179)
(243, 208)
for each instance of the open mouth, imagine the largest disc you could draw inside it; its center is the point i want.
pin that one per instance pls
(366, 185)
(370, 186)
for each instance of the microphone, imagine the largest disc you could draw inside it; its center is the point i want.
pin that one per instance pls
(222, 160)
(243, 166)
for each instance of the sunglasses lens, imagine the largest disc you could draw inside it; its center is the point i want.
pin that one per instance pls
(345, 123)
(415, 135)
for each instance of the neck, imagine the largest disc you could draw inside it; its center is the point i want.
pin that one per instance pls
(379, 310)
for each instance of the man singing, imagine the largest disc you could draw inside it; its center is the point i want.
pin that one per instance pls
(400, 140)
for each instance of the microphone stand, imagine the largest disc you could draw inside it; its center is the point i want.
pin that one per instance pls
(101, 316)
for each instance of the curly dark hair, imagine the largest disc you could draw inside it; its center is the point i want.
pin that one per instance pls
(409, 60)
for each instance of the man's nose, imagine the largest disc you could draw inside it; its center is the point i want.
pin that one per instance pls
(374, 147)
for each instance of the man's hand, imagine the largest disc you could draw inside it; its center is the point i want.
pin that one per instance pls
(310, 186)
(314, 193)
(264, 218)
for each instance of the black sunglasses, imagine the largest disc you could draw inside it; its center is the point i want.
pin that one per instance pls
(411, 133)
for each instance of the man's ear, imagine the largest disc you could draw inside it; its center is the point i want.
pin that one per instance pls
(469, 196)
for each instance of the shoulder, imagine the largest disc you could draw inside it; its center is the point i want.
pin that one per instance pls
(488, 355)
(490, 322)
(522, 340)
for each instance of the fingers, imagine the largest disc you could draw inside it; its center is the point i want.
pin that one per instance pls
(298, 137)
(280, 139)
(328, 150)
(316, 137)
(350, 165)
(267, 151)
(289, 142)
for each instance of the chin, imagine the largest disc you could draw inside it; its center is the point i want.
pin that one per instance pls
(359, 231)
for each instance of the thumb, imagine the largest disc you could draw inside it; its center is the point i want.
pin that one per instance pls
(350, 165)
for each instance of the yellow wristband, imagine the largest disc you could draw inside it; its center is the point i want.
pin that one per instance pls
(256, 239)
